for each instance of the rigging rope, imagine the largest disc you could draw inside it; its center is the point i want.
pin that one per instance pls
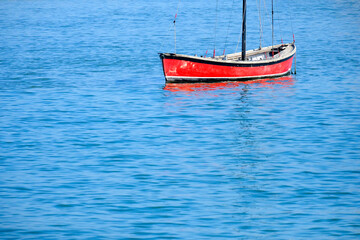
(227, 31)
(216, 21)
(292, 31)
(260, 22)
(278, 23)
(266, 19)
(291, 24)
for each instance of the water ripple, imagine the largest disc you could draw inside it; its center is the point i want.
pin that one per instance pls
(94, 144)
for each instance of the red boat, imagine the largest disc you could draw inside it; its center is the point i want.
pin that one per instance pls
(272, 61)
(263, 63)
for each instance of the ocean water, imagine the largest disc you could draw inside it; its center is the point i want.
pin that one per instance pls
(95, 145)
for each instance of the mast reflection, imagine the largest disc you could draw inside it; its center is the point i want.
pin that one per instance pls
(226, 122)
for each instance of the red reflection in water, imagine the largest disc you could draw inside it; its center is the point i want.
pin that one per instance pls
(194, 87)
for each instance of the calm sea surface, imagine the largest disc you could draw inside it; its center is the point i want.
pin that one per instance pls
(94, 145)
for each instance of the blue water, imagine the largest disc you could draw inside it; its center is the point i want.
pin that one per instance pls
(94, 145)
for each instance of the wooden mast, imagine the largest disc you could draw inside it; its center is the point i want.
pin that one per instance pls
(243, 55)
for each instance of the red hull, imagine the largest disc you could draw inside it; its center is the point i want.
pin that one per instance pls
(183, 68)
